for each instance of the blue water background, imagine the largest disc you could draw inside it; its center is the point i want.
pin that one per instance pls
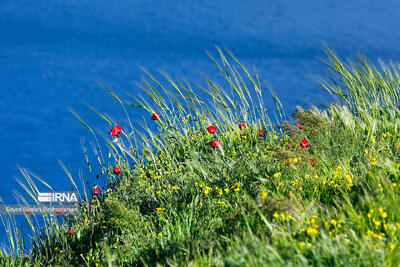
(52, 53)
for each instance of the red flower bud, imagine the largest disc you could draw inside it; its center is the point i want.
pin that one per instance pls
(60, 210)
(155, 116)
(70, 232)
(299, 126)
(28, 211)
(117, 170)
(304, 143)
(96, 191)
(215, 143)
(212, 129)
(260, 133)
(115, 131)
(242, 126)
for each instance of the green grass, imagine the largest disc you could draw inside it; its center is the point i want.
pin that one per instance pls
(255, 200)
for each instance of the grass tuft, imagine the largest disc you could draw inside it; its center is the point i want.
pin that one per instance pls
(321, 190)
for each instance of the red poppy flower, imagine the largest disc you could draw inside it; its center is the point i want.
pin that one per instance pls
(96, 191)
(115, 131)
(117, 170)
(260, 133)
(60, 210)
(212, 129)
(70, 232)
(28, 211)
(215, 143)
(304, 143)
(299, 126)
(242, 126)
(155, 116)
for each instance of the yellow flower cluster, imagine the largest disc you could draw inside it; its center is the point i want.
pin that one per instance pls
(263, 195)
(341, 179)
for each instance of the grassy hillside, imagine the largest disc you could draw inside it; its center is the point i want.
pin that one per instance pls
(320, 190)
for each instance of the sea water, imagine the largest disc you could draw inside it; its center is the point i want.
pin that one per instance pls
(54, 53)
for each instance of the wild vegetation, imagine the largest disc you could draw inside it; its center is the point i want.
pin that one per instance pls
(213, 182)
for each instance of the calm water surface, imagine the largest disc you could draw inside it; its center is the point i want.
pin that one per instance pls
(54, 52)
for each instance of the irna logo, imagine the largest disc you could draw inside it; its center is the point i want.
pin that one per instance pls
(58, 197)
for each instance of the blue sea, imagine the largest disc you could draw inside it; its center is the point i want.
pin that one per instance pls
(53, 53)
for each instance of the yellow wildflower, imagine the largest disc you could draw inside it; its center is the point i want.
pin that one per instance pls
(263, 195)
